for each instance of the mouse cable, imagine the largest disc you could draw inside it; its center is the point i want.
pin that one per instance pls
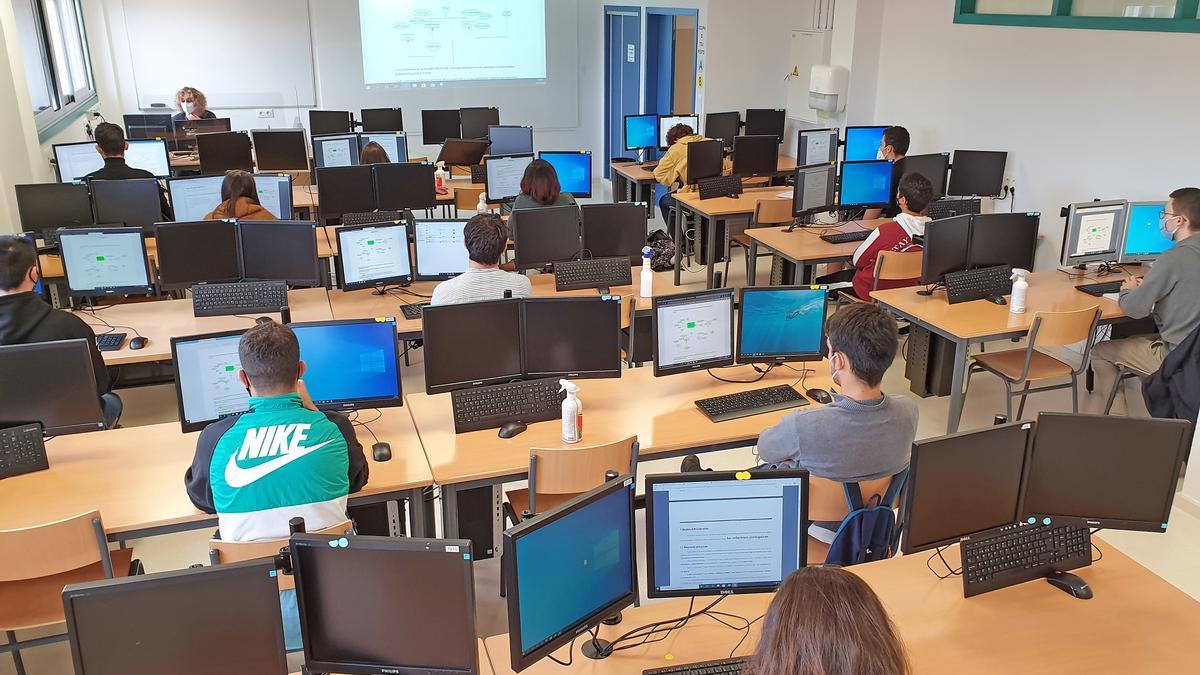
(354, 421)
(661, 628)
(111, 327)
(1099, 552)
(746, 634)
(761, 375)
(938, 553)
(571, 650)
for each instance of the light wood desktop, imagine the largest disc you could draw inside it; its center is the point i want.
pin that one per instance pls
(634, 181)
(804, 247)
(710, 213)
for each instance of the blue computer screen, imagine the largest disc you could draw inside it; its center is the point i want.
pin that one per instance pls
(866, 183)
(1144, 236)
(571, 568)
(350, 361)
(862, 143)
(574, 170)
(641, 131)
(782, 323)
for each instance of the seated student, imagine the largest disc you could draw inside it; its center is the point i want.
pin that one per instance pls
(540, 187)
(192, 105)
(893, 146)
(914, 194)
(827, 620)
(1170, 292)
(672, 167)
(25, 318)
(239, 189)
(111, 144)
(485, 237)
(373, 153)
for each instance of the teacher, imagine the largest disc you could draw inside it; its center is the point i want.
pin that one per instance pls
(192, 105)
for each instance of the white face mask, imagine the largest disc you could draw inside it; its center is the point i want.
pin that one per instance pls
(189, 107)
(1164, 227)
(879, 154)
(833, 369)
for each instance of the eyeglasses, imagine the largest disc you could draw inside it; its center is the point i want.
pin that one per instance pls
(1164, 214)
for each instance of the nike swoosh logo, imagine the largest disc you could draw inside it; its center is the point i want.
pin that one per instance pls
(236, 476)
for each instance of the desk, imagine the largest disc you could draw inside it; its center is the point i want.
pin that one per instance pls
(134, 476)
(660, 411)
(308, 197)
(712, 212)
(1137, 623)
(981, 321)
(804, 247)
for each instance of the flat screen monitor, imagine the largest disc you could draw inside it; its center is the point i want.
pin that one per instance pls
(509, 140)
(439, 249)
(815, 190)
(345, 189)
(641, 132)
(382, 119)
(1094, 232)
(142, 127)
(196, 253)
(405, 186)
(274, 193)
(207, 387)
(613, 230)
(755, 156)
(456, 357)
(1003, 239)
(101, 261)
(574, 170)
(463, 151)
(394, 143)
(339, 150)
(946, 247)
(1105, 471)
(504, 176)
(766, 122)
(572, 337)
(568, 569)
(1144, 240)
(438, 125)
(374, 255)
(693, 331)
(321, 122)
(862, 143)
(724, 126)
(866, 184)
(352, 363)
(817, 147)
(934, 167)
(52, 383)
(193, 197)
(781, 324)
(45, 207)
(963, 484)
(224, 151)
(74, 161)
(667, 122)
(217, 619)
(705, 159)
(281, 250)
(131, 202)
(977, 173)
(717, 533)
(542, 237)
(185, 131)
(475, 121)
(280, 149)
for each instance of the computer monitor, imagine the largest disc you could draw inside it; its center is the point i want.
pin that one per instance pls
(74, 161)
(862, 143)
(382, 119)
(216, 619)
(352, 363)
(339, 150)
(719, 532)
(439, 250)
(321, 122)
(45, 207)
(866, 184)
(724, 126)
(542, 237)
(224, 151)
(463, 151)
(780, 324)
(641, 132)
(405, 186)
(52, 383)
(394, 143)
(934, 167)
(815, 190)
(142, 127)
(374, 255)
(963, 484)
(132, 202)
(693, 331)
(572, 337)
(1104, 471)
(196, 253)
(345, 189)
(1144, 240)
(705, 159)
(193, 197)
(568, 569)
(977, 173)
(274, 193)
(207, 387)
(766, 122)
(755, 156)
(280, 149)
(816, 147)
(104, 261)
(947, 242)
(667, 122)
(1094, 232)
(1003, 239)
(613, 230)
(456, 357)
(438, 125)
(574, 171)
(281, 250)
(504, 176)
(185, 131)
(475, 121)
(509, 140)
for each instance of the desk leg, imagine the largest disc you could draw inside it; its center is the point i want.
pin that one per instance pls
(710, 234)
(678, 241)
(957, 396)
(449, 511)
(620, 188)
(804, 275)
(416, 513)
(649, 190)
(752, 263)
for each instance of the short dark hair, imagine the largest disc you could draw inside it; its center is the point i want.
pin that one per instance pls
(898, 138)
(677, 132)
(270, 355)
(867, 336)
(1187, 204)
(540, 182)
(916, 190)
(486, 237)
(110, 138)
(17, 256)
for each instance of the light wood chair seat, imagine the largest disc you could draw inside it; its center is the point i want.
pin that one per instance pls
(767, 213)
(466, 197)
(890, 266)
(35, 603)
(557, 475)
(1010, 363)
(221, 551)
(741, 239)
(519, 500)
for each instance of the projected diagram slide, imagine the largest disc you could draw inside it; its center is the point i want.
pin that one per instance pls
(452, 40)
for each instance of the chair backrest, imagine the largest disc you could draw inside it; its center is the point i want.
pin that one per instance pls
(563, 471)
(458, 170)
(827, 498)
(220, 551)
(771, 212)
(1055, 329)
(53, 548)
(897, 265)
(467, 197)
(628, 307)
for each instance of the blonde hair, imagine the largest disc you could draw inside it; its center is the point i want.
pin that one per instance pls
(201, 101)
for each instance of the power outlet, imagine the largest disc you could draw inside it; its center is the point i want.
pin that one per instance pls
(266, 114)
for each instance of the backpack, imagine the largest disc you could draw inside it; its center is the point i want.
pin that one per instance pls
(663, 246)
(867, 533)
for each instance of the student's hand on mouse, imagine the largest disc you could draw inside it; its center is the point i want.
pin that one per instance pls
(305, 399)
(1131, 283)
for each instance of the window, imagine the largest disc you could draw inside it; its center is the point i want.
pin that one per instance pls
(1176, 16)
(57, 66)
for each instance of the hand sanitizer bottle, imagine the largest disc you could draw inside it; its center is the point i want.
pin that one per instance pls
(572, 412)
(1020, 290)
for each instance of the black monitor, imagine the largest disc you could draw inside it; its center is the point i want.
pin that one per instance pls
(1104, 471)
(542, 237)
(693, 331)
(755, 156)
(374, 255)
(866, 184)
(207, 387)
(724, 126)
(196, 252)
(439, 251)
(568, 569)
(52, 383)
(456, 357)
(572, 337)
(103, 261)
(321, 122)
(352, 363)
(613, 230)
(224, 151)
(131, 202)
(509, 140)
(74, 161)
(280, 149)
(667, 122)
(394, 143)
(503, 176)
(283, 250)
(947, 242)
(641, 132)
(934, 167)
(345, 189)
(977, 173)
(766, 122)
(185, 131)
(45, 207)
(815, 190)
(574, 170)
(219, 619)
(724, 532)
(863, 143)
(336, 150)
(778, 324)
(141, 127)
(1094, 232)
(438, 125)
(382, 119)
(1003, 239)
(463, 152)
(405, 186)
(475, 121)
(705, 159)
(816, 147)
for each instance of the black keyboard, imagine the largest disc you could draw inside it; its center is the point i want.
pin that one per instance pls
(1023, 553)
(720, 186)
(846, 237)
(110, 342)
(369, 217)
(948, 208)
(478, 174)
(243, 297)
(978, 284)
(592, 273)
(1102, 288)
(497, 405)
(753, 402)
(22, 450)
(721, 667)
(414, 310)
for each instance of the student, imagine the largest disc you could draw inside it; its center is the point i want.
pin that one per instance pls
(913, 195)
(828, 620)
(111, 144)
(192, 105)
(540, 187)
(893, 146)
(485, 238)
(672, 167)
(25, 318)
(240, 189)
(1170, 292)
(373, 153)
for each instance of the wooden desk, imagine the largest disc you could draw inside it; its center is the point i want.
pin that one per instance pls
(711, 213)
(134, 476)
(632, 182)
(660, 411)
(980, 321)
(804, 247)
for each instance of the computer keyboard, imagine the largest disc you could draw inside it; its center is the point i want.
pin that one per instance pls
(720, 186)
(369, 217)
(244, 297)
(494, 406)
(1102, 288)
(478, 174)
(753, 402)
(413, 311)
(110, 342)
(948, 208)
(1023, 553)
(978, 284)
(719, 667)
(846, 237)
(22, 450)
(592, 273)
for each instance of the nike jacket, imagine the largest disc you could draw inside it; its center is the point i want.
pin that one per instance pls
(280, 460)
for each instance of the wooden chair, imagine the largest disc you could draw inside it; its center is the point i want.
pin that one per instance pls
(628, 316)
(467, 197)
(37, 562)
(890, 266)
(827, 502)
(767, 213)
(221, 552)
(457, 171)
(1024, 366)
(556, 475)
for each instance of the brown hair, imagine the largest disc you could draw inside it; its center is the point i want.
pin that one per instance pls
(827, 621)
(1187, 204)
(17, 257)
(237, 184)
(540, 182)
(110, 138)
(485, 237)
(270, 355)
(373, 153)
(867, 336)
(197, 96)
(677, 132)
(916, 190)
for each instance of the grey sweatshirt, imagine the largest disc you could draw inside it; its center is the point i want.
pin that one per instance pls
(1170, 291)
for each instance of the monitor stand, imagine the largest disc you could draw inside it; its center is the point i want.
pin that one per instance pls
(929, 290)
(597, 649)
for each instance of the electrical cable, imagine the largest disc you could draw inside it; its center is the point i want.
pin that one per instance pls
(1100, 553)
(761, 375)
(938, 552)
(111, 327)
(746, 635)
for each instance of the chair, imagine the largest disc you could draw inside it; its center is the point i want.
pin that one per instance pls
(890, 266)
(467, 197)
(37, 562)
(221, 552)
(827, 503)
(766, 213)
(556, 475)
(1123, 374)
(1025, 366)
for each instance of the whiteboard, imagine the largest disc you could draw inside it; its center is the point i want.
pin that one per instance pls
(240, 53)
(808, 48)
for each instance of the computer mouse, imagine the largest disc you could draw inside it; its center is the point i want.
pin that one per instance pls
(381, 451)
(997, 299)
(512, 429)
(1071, 583)
(138, 342)
(263, 319)
(819, 395)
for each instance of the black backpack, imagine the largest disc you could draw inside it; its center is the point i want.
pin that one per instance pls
(663, 246)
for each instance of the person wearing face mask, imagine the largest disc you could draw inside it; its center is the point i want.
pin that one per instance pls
(893, 146)
(192, 105)
(1170, 292)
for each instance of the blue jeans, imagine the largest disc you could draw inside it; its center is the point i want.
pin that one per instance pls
(664, 206)
(112, 406)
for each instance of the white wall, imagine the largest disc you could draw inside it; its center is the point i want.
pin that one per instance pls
(749, 47)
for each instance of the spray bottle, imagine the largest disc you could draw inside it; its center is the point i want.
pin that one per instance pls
(1019, 290)
(647, 274)
(440, 176)
(572, 412)
(482, 206)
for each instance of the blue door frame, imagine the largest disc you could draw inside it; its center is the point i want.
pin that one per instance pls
(622, 75)
(659, 85)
